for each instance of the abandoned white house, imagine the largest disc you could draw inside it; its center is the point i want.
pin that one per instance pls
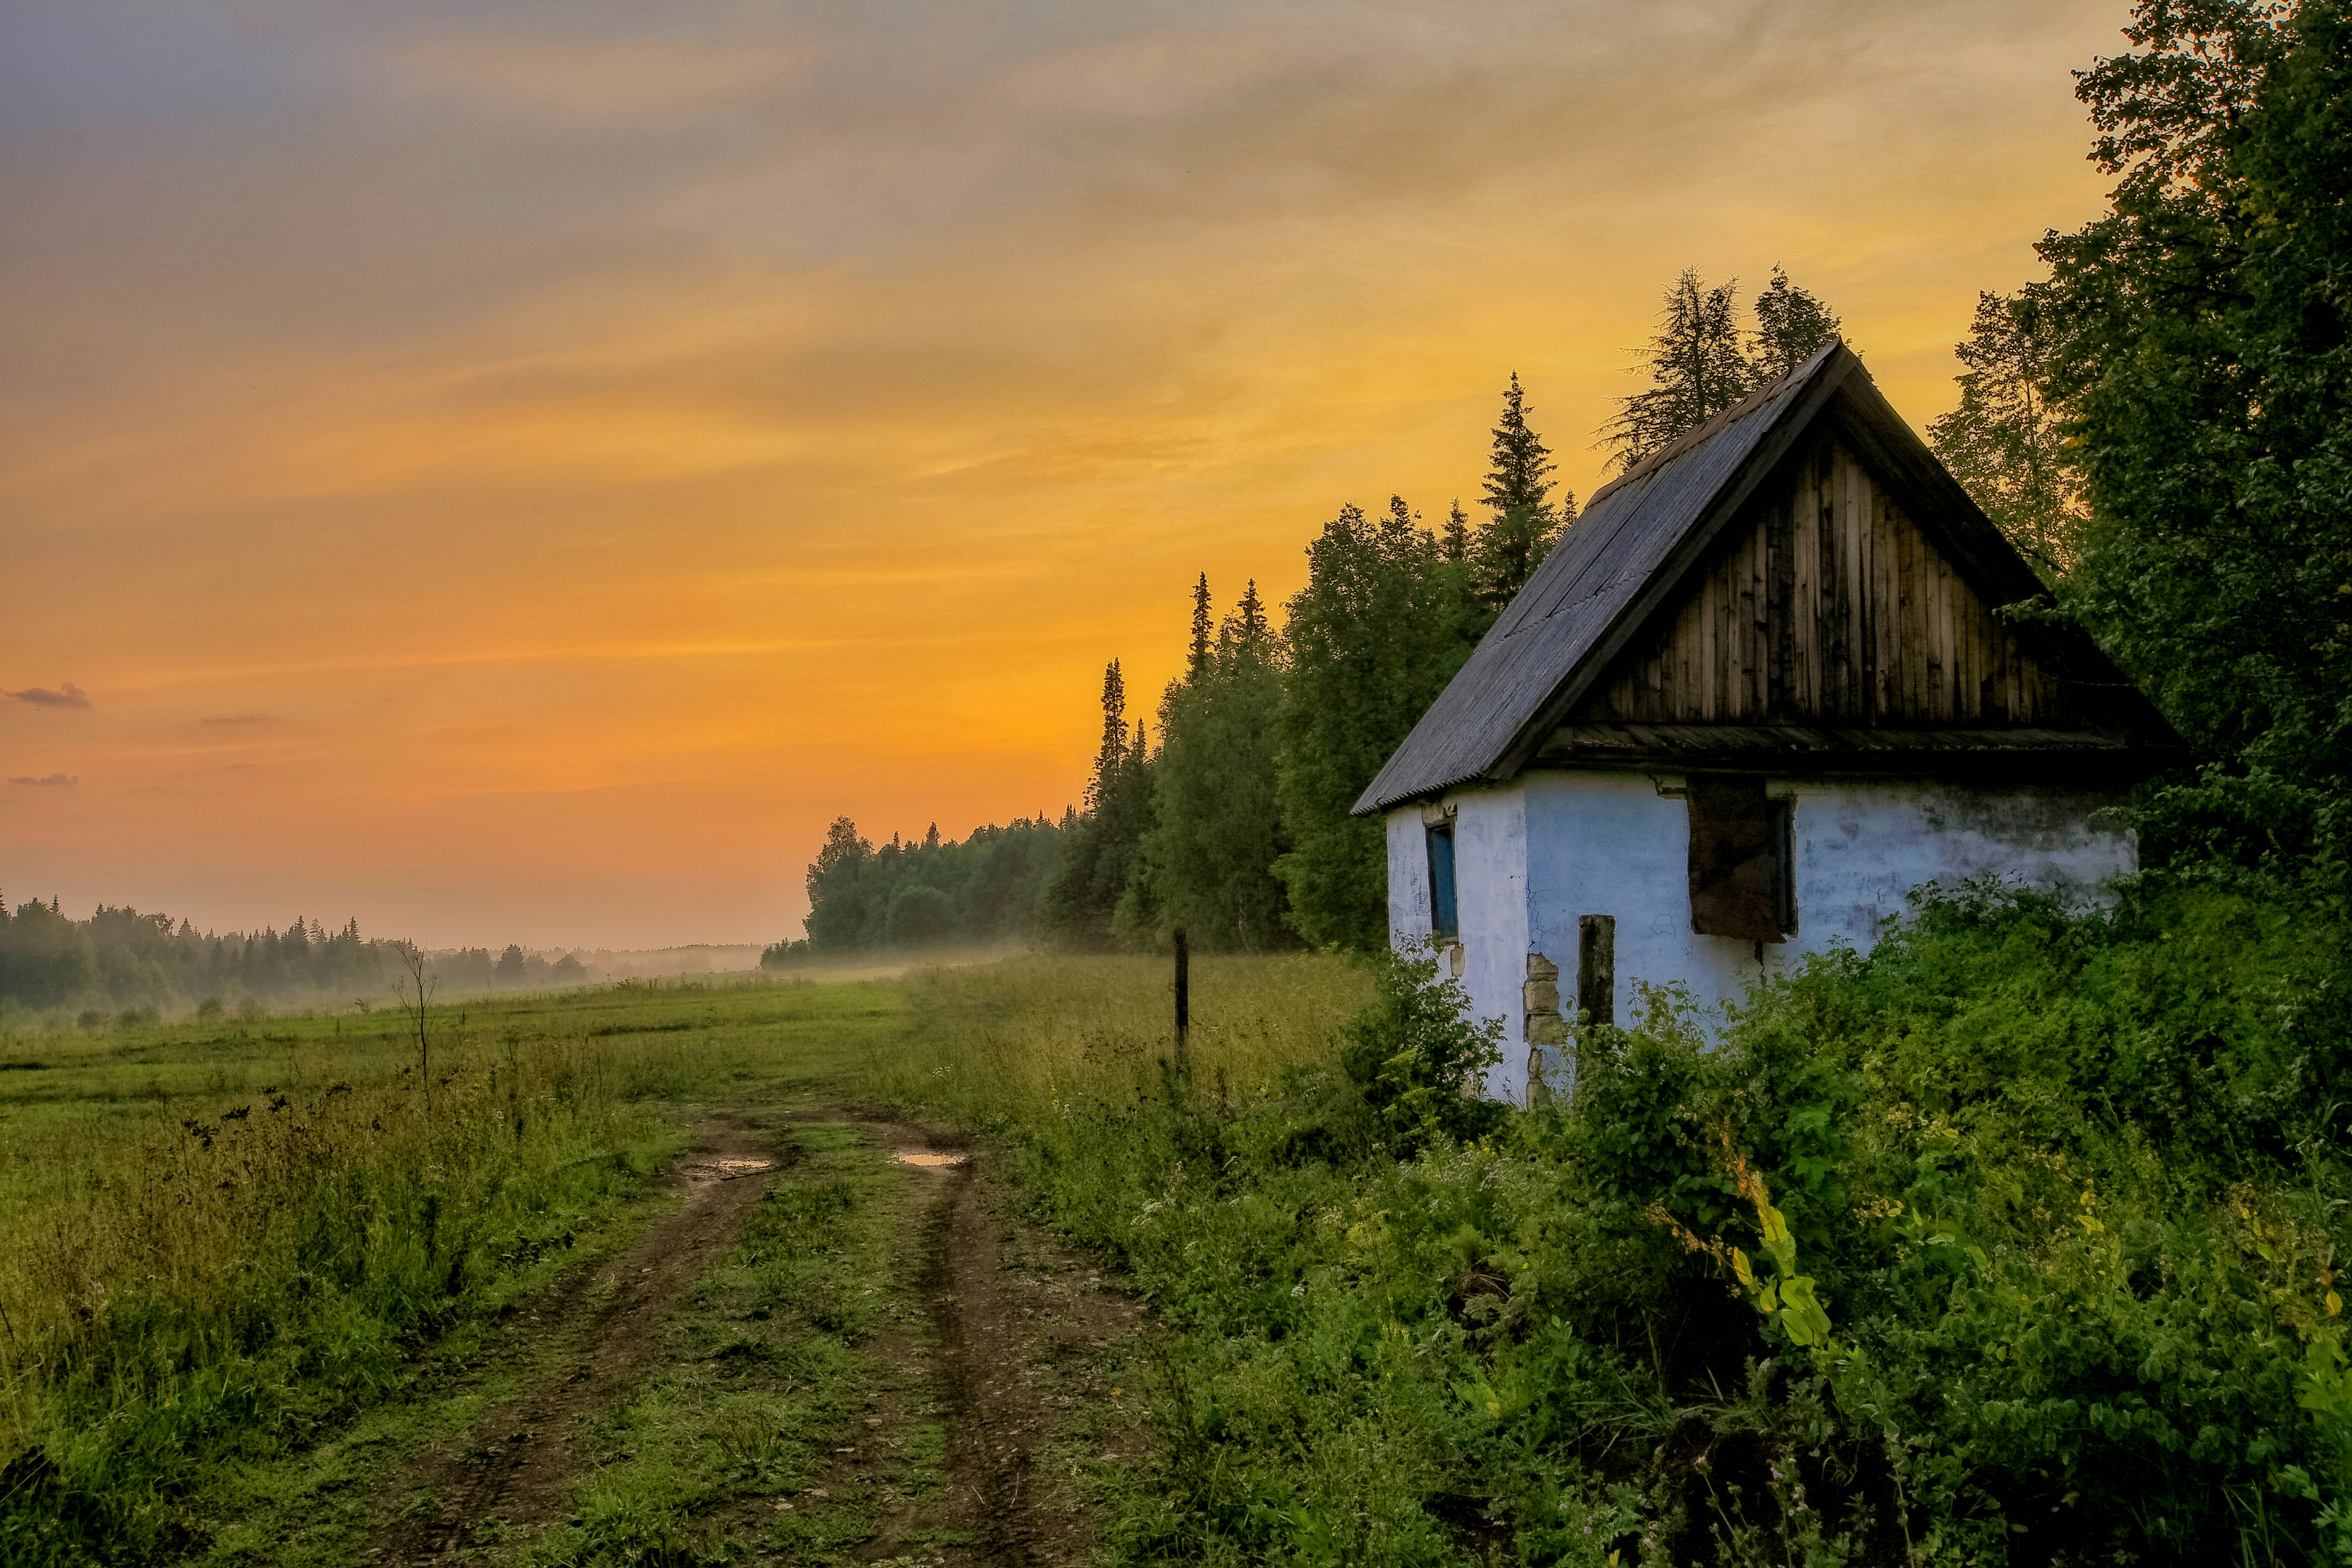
(1758, 695)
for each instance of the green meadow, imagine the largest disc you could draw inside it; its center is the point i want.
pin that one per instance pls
(2014, 1241)
(222, 1243)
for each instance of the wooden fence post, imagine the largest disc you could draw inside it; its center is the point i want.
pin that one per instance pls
(1183, 995)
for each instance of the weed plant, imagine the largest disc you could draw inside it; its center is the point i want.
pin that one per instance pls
(2013, 1241)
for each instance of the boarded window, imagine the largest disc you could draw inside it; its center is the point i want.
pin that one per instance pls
(1596, 968)
(1742, 878)
(1442, 920)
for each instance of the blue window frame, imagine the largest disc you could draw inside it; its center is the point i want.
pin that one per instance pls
(1443, 919)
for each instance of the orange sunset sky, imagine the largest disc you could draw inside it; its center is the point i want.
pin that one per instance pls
(514, 473)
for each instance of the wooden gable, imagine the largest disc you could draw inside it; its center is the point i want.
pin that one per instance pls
(1826, 604)
(1797, 585)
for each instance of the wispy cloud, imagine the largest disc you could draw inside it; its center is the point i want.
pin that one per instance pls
(54, 781)
(66, 695)
(597, 81)
(230, 719)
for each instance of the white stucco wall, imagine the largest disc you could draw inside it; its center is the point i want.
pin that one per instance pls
(1490, 880)
(1534, 855)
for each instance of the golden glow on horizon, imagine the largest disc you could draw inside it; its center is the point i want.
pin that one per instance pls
(582, 462)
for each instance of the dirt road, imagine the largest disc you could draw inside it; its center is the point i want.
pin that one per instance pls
(842, 1338)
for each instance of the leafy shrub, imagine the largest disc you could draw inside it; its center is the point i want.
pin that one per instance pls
(1416, 1052)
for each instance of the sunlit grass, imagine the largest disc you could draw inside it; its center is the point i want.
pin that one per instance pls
(1004, 1043)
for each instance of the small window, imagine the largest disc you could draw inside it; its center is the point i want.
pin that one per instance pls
(1442, 921)
(1742, 861)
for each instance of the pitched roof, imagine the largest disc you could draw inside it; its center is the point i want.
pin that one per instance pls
(1635, 541)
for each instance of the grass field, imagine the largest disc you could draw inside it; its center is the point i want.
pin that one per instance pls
(2014, 1242)
(221, 1245)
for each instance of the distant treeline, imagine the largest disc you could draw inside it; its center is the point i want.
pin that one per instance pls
(119, 958)
(935, 892)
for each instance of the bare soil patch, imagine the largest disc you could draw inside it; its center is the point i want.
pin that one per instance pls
(514, 1463)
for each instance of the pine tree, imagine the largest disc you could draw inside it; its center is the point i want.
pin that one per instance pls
(2005, 443)
(1520, 477)
(1697, 368)
(1791, 326)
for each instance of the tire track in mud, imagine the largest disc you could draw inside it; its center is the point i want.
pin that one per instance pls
(1015, 1321)
(1013, 1317)
(513, 1463)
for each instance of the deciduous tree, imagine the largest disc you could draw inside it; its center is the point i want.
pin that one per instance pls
(1791, 326)
(2202, 337)
(2005, 443)
(1373, 636)
(1216, 831)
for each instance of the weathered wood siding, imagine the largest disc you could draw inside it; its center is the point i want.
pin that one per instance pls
(1827, 604)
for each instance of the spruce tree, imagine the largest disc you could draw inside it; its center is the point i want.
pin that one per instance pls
(1506, 553)
(1697, 368)
(1204, 630)
(1791, 326)
(1454, 545)
(1113, 751)
(1519, 476)
(1249, 615)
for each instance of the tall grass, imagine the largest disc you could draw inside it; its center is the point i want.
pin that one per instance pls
(998, 1044)
(185, 1279)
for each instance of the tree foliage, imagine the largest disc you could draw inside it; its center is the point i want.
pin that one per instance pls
(2005, 443)
(989, 888)
(122, 959)
(1702, 361)
(1698, 365)
(1791, 326)
(2202, 351)
(1502, 555)
(1373, 636)
(1103, 850)
(1216, 831)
